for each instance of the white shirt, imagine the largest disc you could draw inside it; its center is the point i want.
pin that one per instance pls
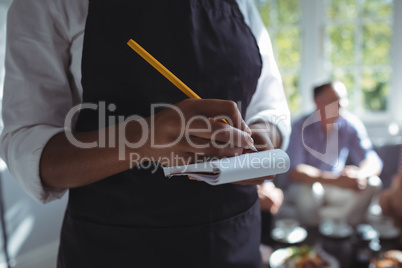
(43, 82)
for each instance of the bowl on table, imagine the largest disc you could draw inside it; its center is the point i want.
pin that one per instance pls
(335, 228)
(288, 231)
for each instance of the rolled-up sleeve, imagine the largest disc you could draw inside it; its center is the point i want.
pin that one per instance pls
(39, 89)
(269, 101)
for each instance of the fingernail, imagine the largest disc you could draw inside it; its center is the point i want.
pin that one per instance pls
(251, 143)
(248, 130)
(252, 147)
(250, 140)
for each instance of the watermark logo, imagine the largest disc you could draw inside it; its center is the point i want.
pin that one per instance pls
(112, 133)
(330, 156)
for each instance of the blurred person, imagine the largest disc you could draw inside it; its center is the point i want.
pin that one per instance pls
(323, 186)
(64, 53)
(391, 199)
(271, 197)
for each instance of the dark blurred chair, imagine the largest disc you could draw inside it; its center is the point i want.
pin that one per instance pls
(390, 157)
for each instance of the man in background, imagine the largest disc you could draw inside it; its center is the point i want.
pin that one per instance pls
(324, 187)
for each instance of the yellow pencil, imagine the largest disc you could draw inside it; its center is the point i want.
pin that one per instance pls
(162, 69)
(166, 73)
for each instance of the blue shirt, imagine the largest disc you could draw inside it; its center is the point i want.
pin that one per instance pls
(310, 145)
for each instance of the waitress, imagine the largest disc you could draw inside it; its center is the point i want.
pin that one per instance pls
(118, 216)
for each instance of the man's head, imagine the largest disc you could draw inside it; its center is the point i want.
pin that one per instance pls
(329, 98)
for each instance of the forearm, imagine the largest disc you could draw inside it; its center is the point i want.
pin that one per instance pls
(165, 138)
(308, 174)
(65, 165)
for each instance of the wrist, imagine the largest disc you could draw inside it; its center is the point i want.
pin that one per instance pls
(136, 140)
(270, 130)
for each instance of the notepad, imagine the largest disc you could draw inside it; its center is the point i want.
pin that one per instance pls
(234, 169)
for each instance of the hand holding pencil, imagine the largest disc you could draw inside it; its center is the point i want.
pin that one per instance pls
(169, 75)
(240, 138)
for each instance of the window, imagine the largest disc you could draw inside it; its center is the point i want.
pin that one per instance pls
(359, 36)
(354, 41)
(284, 30)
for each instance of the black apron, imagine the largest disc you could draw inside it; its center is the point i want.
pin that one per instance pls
(138, 218)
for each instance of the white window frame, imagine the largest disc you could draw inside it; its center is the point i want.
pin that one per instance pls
(314, 71)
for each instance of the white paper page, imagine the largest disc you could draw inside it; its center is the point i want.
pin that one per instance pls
(253, 165)
(238, 168)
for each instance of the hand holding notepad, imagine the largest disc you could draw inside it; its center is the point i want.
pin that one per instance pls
(225, 170)
(235, 169)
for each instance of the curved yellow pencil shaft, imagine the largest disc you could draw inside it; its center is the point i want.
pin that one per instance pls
(162, 69)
